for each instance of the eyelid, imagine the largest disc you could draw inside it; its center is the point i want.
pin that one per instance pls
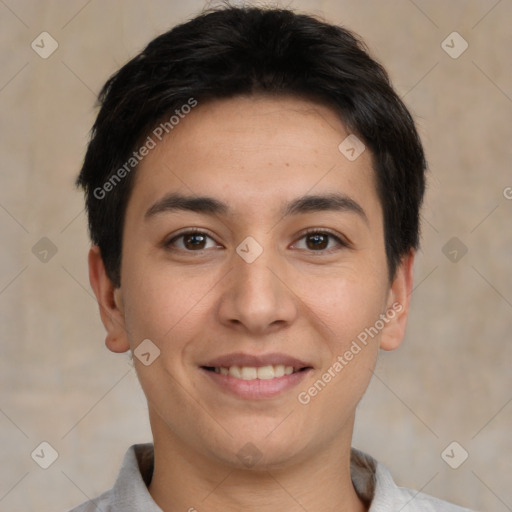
(342, 241)
(167, 243)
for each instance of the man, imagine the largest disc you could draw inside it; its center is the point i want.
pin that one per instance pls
(253, 186)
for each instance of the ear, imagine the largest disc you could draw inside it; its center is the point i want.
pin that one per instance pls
(397, 310)
(110, 302)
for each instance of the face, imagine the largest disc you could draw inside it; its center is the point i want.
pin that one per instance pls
(253, 260)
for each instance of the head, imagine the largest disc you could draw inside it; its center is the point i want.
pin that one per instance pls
(235, 125)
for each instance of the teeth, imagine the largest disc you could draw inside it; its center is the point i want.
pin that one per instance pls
(234, 371)
(266, 372)
(251, 373)
(279, 370)
(248, 373)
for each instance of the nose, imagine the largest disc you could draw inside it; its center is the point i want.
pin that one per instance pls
(257, 298)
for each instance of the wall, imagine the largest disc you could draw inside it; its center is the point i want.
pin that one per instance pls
(450, 380)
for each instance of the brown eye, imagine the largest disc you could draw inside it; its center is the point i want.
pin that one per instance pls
(192, 241)
(319, 241)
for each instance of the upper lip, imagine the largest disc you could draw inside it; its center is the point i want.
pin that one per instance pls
(241, 359)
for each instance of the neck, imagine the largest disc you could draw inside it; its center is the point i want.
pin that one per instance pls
(186, 479)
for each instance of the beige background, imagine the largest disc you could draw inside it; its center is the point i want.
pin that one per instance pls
(450, 380)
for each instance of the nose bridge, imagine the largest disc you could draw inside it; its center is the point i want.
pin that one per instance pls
(254, 279)
(255, 296)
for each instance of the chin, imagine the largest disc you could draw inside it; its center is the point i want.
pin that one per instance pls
(264, 450)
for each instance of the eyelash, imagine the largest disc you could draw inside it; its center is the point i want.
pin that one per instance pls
(193, 231)
(315, 231)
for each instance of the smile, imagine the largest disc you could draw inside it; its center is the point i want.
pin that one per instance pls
(254, 383)
(252, 372)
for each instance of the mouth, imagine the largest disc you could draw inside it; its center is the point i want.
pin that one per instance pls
(255, 377)
(267, 372)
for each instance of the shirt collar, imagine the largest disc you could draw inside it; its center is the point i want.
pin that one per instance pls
(130, 492)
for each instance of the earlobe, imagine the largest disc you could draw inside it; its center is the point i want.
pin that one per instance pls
(397, 310)
(110, 303)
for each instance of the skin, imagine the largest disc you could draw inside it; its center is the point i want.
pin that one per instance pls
(253, 153)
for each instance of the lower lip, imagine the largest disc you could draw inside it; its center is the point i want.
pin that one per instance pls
(256, 388)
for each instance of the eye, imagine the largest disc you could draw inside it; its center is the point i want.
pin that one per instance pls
(192, 241)
(318, 240)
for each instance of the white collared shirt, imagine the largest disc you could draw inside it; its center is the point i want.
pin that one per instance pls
(372, 481)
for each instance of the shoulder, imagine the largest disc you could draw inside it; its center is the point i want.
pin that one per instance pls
(414, 501)
(130, 492)
(375, 485)
(102, 503)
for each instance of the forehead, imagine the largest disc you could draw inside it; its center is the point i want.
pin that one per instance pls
(256, 153)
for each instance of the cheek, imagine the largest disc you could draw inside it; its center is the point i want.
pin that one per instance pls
(345, 312)
(343, 305)
(165, 304)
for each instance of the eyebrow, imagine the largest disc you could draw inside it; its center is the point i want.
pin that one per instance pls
(208, 205)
